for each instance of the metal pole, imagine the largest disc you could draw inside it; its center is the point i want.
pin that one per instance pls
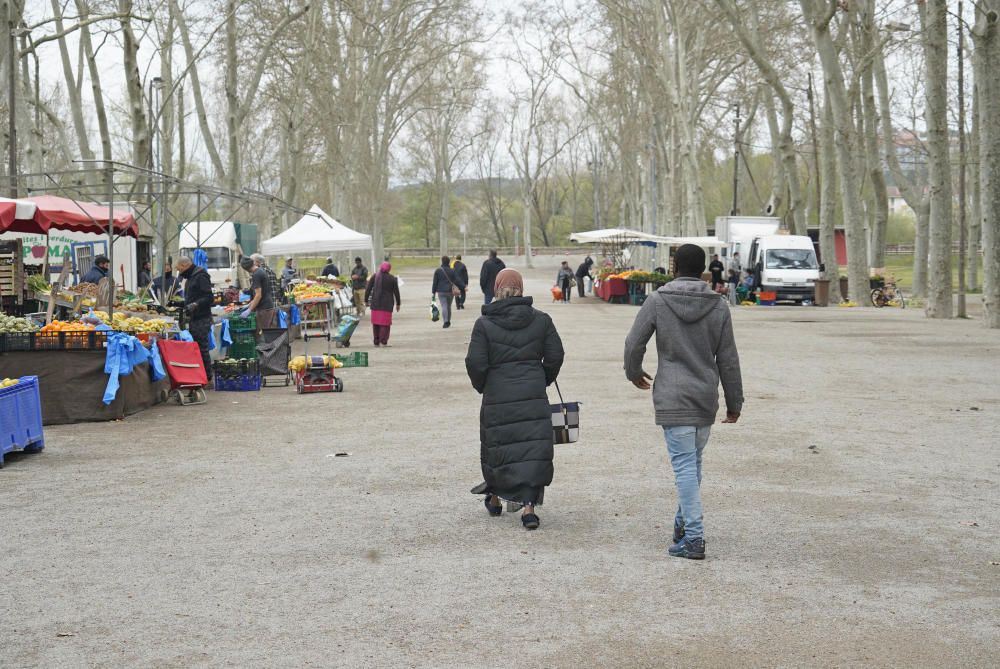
(653, 199)
(11, 102)
(111, 240)
(736, 165)
(962, 223)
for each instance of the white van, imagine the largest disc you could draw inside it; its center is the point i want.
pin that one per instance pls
(220, 240)
(786, 265)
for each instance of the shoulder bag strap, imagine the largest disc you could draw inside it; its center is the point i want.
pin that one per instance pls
(559, 392)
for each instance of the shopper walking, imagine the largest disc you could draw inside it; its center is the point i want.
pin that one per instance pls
(583, 271)
(462, 272)
(359, 283)
(695, 350)
(446, 286)
(488, 275)
(564, 279)
(380, 294)
(514, 354)
(198, 301)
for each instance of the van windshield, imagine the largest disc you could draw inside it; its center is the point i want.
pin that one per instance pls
(791, 259)
(218, 256)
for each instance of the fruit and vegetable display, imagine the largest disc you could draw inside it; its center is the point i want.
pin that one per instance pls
(640, 276)
(38, 284)
(306, 291)
(135, 324)
(88, 289)
(16, 324)
(7, 383)
(298, 363)
(66, 326)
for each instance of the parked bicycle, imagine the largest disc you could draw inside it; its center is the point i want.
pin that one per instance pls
(888, 295)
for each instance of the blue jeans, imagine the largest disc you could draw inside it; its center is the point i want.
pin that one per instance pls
(685, 445)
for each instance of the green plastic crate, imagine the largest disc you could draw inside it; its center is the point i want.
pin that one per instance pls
(244, 345)
(353, 359)
(237, 323)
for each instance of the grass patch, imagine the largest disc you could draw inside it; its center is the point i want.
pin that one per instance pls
(901, 266)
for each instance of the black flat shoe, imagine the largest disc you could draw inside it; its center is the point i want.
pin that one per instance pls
(530, 521)
(493, 510)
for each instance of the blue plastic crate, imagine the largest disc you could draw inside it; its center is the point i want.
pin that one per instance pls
(21, 418)
(240, 383)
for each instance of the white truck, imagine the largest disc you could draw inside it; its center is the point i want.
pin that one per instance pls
(738, 232)
(785, 265)
(224, 243)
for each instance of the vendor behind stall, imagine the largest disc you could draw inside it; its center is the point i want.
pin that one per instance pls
(98, 271)
(261, 301)
(330, 269)
(198, 300)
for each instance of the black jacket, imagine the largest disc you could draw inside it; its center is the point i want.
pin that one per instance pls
(444, 279)
(583, 270)
(514, 353)
(94, 275)
(462, 271)
(198, 291)
(488, 274)
(330, 270)
(387, 297)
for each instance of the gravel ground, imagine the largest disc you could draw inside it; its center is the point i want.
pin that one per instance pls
(851, 514)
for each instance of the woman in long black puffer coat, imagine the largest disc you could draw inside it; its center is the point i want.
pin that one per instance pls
(514, 354)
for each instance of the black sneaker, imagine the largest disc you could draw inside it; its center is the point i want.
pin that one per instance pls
(678, 533)
(692, 549)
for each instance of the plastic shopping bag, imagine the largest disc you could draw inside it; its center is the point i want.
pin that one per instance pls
(435, 311)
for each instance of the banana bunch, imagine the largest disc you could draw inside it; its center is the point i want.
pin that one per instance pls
(298, 363)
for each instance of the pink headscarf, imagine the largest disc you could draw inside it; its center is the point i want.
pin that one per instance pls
(377, 285)
(508, 284)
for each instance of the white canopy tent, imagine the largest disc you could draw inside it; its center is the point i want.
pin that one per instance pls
(316, 233)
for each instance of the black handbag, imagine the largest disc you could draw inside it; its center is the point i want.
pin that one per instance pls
(565, 420)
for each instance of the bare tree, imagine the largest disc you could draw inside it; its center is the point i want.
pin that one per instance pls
(933, 17)
(986, 36)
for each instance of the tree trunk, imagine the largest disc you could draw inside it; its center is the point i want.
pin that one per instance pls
(72, 91)
(83, 9)
(199, 103)
(846, 146)
(986, 57)
(880, 195)
(975, 199)
(933, 16)
(133, 86)
(827, 158)
(233, 172)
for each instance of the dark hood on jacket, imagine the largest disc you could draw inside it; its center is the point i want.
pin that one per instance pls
(514, 313)
(690, 299)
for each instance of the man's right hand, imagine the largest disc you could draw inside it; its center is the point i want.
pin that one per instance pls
(642, 383)
(731, 417)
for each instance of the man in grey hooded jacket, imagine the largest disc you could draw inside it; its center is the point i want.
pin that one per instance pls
(695, 351)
